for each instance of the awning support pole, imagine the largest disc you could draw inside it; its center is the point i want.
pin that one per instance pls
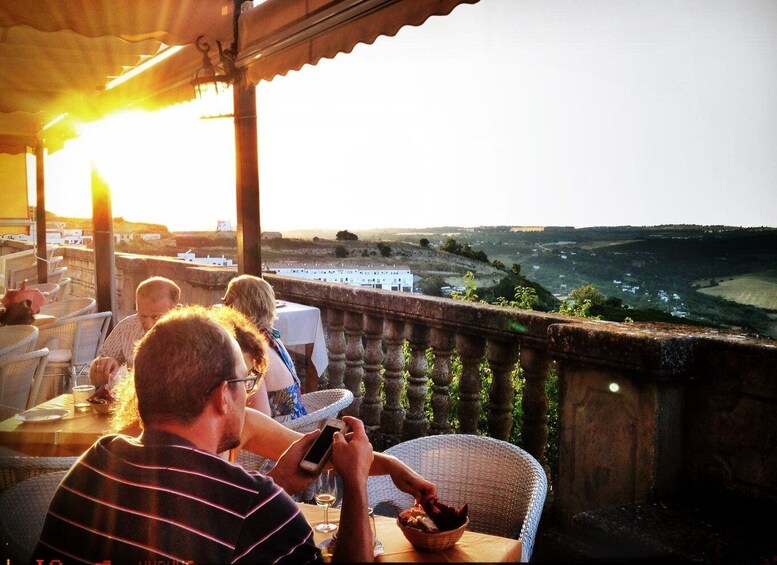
(104, 258)
(40, 213)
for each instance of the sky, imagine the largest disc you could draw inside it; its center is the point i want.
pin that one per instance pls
(506, 112)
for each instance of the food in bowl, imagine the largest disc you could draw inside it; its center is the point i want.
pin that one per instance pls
(101, 400)
(433, 526)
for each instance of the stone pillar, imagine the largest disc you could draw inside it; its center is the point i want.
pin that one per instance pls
(442, 345)
(471, 349)
(393, 414)
(373, 361)
(535, 365)
(335, 345)
(354, 360)
(620, 416)
(502, 356)
(416, 423)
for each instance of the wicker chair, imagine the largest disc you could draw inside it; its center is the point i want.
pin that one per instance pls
(17, 468)
(74, 343)
(23, 510)
(503, 485)
(70, 307)
(320, 405)
(50, 290)
(20, 378)
(17, 339)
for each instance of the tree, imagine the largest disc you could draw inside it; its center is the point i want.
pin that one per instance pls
(424, 242)
(345, 235)
(581, 301)
(588, 292)
(341, 252)
(385, 250)
(497, 264)
(470, 293)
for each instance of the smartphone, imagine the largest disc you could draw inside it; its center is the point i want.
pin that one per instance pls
(319, 453)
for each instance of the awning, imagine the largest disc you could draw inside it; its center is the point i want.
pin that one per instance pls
(283, 35)
(56, 57)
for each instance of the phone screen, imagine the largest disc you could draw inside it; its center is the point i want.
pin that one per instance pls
(321, 444)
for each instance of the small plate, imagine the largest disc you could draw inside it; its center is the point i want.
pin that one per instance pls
(42, 415)
(280, 303)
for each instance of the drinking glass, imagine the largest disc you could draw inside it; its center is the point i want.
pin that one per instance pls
(326, 494)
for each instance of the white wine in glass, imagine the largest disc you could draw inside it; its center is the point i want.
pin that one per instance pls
(326, 494)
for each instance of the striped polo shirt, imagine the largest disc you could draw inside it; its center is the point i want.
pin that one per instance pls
(165, 501)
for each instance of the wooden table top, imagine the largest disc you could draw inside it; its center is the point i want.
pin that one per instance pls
(473, 547)
(72, 435)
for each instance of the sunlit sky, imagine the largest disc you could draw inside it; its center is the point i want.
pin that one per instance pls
(508, 112)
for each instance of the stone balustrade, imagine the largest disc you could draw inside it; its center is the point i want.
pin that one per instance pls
(646, 411)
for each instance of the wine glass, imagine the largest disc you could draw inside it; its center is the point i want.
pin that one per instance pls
(326, 494)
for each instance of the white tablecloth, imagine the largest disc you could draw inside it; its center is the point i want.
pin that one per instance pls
(301, 325)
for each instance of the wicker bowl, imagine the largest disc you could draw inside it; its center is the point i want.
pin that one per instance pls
(101, 408)
(438, 541)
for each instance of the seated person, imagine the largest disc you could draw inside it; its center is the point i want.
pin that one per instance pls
(154, 297)
(166, 496)
(261, 434)
(281, 395)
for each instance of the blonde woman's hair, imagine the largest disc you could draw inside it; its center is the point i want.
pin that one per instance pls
(253, 297)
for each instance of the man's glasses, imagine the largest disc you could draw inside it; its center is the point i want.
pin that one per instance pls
(251, 381)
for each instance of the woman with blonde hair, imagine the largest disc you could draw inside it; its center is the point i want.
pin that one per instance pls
(281, 395)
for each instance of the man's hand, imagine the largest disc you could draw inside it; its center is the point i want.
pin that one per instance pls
(287, 473)
(102, 369)
(352, 457)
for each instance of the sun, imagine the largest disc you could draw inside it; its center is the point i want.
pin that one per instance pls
(167, 167)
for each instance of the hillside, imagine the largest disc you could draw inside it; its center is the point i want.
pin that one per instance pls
(715, 275)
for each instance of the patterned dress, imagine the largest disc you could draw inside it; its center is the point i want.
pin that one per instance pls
(286, 404)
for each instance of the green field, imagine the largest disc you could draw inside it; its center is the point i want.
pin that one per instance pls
(754, 289)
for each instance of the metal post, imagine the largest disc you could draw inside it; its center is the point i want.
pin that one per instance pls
(40, 213)
(102, 223)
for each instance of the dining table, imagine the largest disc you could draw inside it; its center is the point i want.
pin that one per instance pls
(302, 332)
(70, 434)
(473, 547)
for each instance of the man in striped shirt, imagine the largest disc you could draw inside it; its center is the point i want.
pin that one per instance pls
(168, 497)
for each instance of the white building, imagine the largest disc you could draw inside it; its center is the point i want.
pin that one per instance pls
(224, 225)
(397, 278)
(216, 261)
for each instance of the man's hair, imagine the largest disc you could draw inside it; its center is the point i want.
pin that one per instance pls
(178, 362)
(253, 297)
(157, 287)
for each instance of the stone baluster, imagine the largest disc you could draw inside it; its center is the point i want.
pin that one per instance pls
(535, 364)
(471, 349)
(373, 361)
(442, 345)
(335, 345)
(502, 356)
(394, 364)
(354, 360)
(416, 423)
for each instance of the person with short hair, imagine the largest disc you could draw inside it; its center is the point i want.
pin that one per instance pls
(281, 395)
(167, 495)
(154, 297)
